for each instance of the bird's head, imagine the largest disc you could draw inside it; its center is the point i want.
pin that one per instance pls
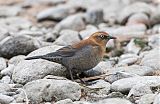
(101, 38)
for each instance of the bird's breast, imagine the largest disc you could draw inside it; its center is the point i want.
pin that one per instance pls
(84, 60)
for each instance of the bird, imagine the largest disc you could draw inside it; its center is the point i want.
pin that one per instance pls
(81, 56)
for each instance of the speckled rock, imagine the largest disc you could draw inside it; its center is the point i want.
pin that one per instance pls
(13, 46)
(29, 70)
(146, 99)
(49, 89)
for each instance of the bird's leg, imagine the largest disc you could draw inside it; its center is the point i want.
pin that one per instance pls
(71, 75)
(80, 79)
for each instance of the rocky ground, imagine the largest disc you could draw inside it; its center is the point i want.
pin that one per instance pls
(129, 73)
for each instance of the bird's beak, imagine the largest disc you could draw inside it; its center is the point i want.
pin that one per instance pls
(111, 37)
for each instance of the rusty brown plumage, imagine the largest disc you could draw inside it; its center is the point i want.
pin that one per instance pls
(81, 56)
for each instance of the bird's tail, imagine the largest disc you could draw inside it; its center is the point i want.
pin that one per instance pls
(34, 57)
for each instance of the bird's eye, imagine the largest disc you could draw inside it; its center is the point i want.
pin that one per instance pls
(102, 36)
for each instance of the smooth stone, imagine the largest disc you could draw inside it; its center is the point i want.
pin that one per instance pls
(140, 7)
(90, 29)
(19, 45)
(29, 70)
(155, 17)
(151, 59)
(44, 50)
(138, 18)
(126, 84)
(146, 99)
(94, 16)
(126, 33)
(17, 22)
(65, 101)
(73, 22)
(69, 36)
(139, 90)
(56, 13)
(101, 68)
(113, 101)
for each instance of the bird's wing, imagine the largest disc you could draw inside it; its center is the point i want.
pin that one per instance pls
(67, 51)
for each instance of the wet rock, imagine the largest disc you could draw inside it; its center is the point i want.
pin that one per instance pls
(13, 46)
(3, 63)
(51, 89)
(6, 11)
(148, 59)
(146, 99)
(8, 71)
(154, 41)
(4, 99)
(69, 36)
(127, 83)
(56, 13)
(114, 101)
(73, 22)
(140, 7)
(65, 101)
(94, 16)
(29, 70)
